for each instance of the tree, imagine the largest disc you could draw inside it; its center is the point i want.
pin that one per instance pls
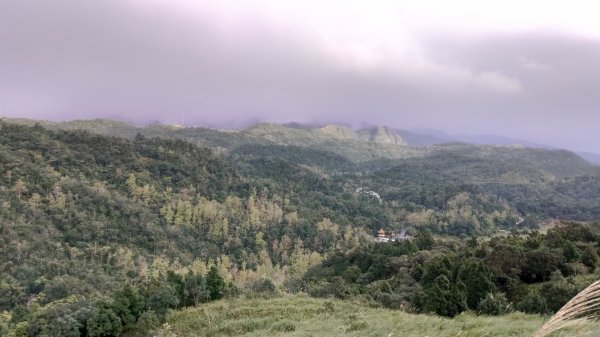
(505, 260)
(571, 252)
(445, 298)
(424, 240)
(161, 296)
(589, 257)
(11, 293)
(20, 330)
(20, 187)
(215, 284)
(558, 291)
(35, 200)
(62, 318)
(434, 268)
(128, 305)
(104, 322)
(539, 265)
(477, 279)
(195, 289)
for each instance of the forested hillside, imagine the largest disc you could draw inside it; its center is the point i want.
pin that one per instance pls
(469, 189)
(102, 232)
(532, 273)
(84, 215)
(356, 146)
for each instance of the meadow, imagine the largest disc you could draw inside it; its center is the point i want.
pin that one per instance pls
(300, 315)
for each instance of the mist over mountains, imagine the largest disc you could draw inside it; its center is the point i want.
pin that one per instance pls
(426, 158)
(302, 134)
(428, 137)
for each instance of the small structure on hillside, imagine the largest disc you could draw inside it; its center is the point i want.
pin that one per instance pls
(393, 236)
(399, 236)
(369, 193)
(381, 237)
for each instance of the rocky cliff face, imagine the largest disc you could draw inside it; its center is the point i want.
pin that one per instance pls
(381, 135)
(339, 131)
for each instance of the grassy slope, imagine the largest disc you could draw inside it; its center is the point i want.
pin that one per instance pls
(303, 316)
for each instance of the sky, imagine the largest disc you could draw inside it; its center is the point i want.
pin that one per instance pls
(522, 69)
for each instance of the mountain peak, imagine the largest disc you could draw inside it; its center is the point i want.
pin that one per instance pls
(339, 131)
(382, 135)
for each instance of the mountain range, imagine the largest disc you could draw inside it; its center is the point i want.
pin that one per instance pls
(354, 144)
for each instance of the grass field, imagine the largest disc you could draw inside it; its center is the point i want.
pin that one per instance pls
(304, 316)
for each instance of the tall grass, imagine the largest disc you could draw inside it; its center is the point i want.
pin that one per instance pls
(303, 316)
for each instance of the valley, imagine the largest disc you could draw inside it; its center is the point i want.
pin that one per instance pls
(111, 227)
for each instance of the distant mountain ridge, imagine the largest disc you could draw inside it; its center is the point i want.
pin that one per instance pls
(591, 157)
(382, 135)
(358, 145)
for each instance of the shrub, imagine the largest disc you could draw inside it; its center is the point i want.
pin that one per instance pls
(558, 291)
(392, 301)
(262, 286)
(284, 326)
(494, 304)
(357, 326)
(147, 321)
(532, 303)
(589, 257)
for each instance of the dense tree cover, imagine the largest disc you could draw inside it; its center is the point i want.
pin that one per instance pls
(467, 189)
(455, 189)
(450, 188)
(81, 215)
(533, 273)
(130, 310)
(87, 220)
(298, 155)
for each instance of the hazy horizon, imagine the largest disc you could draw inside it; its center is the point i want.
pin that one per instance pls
(520, 70)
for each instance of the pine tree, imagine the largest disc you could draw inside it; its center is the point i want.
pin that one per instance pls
(215, 284)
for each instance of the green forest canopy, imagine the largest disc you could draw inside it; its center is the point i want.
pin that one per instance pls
(87, 220)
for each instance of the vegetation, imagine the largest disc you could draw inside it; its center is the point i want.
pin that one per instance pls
(581, 307)
(84, 216)
(104, 233)
(302, 316)
(534, 273)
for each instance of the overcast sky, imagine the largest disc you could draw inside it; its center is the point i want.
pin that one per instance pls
(526, 69)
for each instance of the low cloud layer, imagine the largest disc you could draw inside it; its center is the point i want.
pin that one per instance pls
(230, 63)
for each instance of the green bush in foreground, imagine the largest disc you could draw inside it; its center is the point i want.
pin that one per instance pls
(494, 304)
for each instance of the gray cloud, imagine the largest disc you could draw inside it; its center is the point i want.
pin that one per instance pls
(560, 76)
(69, 59)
